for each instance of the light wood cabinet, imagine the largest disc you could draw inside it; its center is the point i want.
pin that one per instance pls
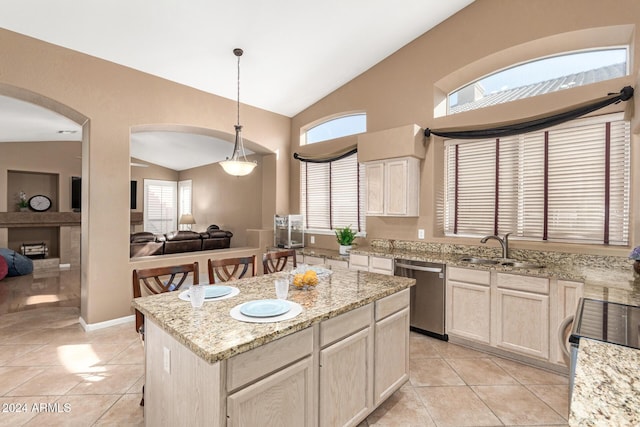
(373, 264)
(522, 322)
(319, 260)
(393, 187)
(359, 262)
(391, 366)
(521, 314)
(284, 398)
(313, 260)
(510, 312)
(337, 263)
(468, 304)
(333, 373)
(346, 380)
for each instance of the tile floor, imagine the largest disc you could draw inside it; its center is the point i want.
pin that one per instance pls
(57, 374)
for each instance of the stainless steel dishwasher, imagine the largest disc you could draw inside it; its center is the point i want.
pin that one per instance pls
(427, 296)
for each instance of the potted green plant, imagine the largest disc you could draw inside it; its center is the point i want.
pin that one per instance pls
(23, 203)
(345, 238)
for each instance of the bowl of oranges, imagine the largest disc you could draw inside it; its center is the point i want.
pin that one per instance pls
(304, 277)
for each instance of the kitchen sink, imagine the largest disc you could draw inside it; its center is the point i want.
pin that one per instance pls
(503, 262)
(473, 260)
(521, 264)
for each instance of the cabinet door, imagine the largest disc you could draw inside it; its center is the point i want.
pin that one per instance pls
(358, 262)
(313, 260)
(374, 174)
(391, 362)
(337, 263)
(468, 310)
(522, 322)
(381, 265)
(396, 187)
(346, 377)
(284, 398)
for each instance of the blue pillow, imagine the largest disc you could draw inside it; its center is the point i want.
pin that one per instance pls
(19, 265)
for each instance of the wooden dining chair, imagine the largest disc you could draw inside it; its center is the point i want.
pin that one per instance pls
(277, 260)
(228, 269)
(159, 280)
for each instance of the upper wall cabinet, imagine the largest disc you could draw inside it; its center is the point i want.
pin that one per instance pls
(393, 187)
(392, 161)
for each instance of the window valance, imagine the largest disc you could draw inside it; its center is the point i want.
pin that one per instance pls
(534, 123)
(326, 158)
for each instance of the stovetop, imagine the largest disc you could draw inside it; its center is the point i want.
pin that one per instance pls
(608, 322)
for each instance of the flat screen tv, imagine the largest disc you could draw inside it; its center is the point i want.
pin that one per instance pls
(76, 194)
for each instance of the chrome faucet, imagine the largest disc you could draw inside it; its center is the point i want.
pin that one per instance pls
(504, 242)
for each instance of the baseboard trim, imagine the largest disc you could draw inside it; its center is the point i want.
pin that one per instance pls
(107, 323)
(542, 364)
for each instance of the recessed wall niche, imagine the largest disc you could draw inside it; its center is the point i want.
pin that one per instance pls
(49, 235)
(32, 183)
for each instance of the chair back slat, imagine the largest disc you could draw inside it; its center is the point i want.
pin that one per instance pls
(228, 269)
(277, 261)
(161, 279)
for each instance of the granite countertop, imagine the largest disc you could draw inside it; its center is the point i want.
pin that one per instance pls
(212, 334)
(607, 385)
(616, 284)
(324, 253)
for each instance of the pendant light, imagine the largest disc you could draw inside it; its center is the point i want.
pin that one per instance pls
(238, 165)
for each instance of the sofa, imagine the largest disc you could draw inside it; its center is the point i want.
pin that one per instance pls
(148, 244)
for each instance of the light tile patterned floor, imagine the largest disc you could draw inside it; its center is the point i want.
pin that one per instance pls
(48, 363)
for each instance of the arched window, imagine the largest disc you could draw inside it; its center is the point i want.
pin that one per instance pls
(540, 76)
(337, 127)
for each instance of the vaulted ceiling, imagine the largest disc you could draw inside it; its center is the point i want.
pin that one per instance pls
(296, 51)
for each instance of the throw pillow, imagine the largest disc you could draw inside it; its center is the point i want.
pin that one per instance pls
(4, 268)
(19, 264)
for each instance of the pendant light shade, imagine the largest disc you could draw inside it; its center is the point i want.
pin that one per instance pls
(238, 165)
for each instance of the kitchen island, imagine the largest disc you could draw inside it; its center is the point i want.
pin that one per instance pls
(331, 365)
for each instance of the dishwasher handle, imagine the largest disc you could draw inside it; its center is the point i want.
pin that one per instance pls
(419, 268)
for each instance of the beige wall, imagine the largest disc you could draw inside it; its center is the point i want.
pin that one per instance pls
(110, 100)
(232, 203)
(486, 36)
(113, 100)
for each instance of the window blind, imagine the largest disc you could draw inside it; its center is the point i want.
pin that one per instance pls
(331, 194)
(184, 197)
(568, 183)
(160, 206)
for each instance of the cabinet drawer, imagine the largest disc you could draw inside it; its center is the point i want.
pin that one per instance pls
(358, 262)
(468, 275)
(332, 330)
(391, 304)
(251, 365)
(539, 285)
(337, 263)
(377, 263)
(313, 260)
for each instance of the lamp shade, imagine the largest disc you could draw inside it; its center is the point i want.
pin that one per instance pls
(186, 219)
(237, 167)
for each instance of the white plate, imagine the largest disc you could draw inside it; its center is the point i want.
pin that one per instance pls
(265, 308)
(216, 291)
(184, 295)
(296, 309)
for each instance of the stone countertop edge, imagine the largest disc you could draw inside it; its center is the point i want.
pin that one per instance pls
(212, 334)
(606, 393)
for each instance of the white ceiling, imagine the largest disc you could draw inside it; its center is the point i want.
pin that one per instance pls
(296, 51)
